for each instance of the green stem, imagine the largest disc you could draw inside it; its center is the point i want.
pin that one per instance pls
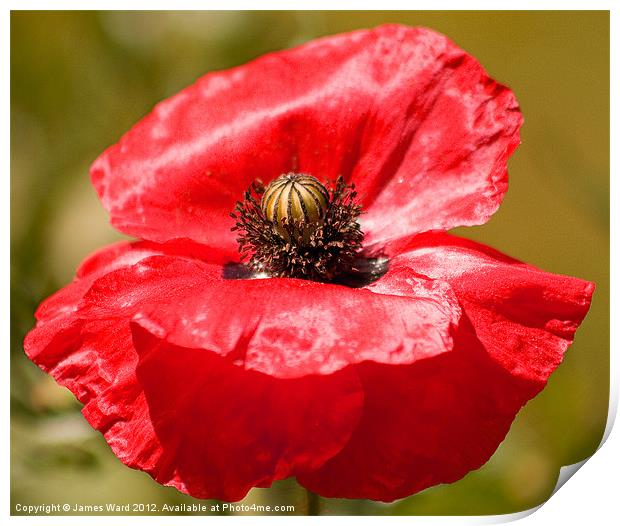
(313, 503)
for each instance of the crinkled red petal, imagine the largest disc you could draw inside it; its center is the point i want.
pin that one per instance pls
(83, 338)
(435, 420)
(282, 327)
(157, 420)
(257, 346)
(224, 429)
(409, 117)
(95, 357)
(525, 318)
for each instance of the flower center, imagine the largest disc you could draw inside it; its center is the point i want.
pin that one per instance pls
(296, 227)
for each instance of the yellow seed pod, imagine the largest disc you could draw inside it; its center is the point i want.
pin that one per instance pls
(292, 199)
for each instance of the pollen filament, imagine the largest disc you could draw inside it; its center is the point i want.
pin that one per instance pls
(296, 227)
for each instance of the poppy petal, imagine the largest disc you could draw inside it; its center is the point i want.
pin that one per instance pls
(454, 409)
(439, 419)
(224, 430)
(95, 358)
(526, 318)
(282, 327)
(90, 349)
(136, 390)
(409, 117)
(118, 255)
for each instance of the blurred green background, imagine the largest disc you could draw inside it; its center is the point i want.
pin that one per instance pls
(81, 79)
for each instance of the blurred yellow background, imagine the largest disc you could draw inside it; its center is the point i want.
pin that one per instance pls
(81, 79)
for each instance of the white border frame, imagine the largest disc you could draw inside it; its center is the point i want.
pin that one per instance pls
(591, 496)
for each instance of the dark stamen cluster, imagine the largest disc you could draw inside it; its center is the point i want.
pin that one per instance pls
(328, 249)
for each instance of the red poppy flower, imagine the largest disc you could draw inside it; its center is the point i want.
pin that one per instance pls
(216, 385)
